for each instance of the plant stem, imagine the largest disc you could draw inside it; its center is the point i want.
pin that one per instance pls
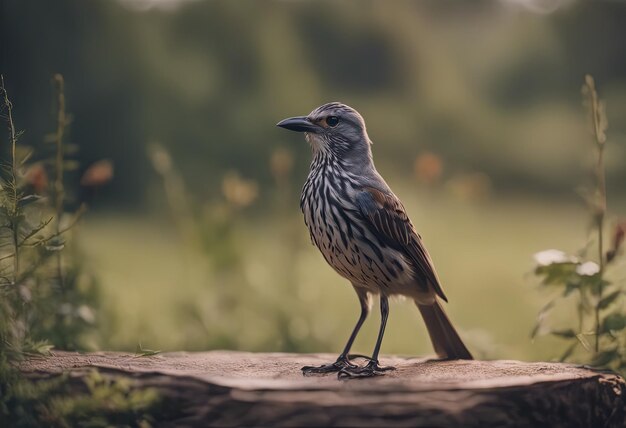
(600, 226)
(12, 181)
(16, 258)
(59, 191)
(599, 123)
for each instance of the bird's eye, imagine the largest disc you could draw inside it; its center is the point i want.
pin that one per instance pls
(332, 121)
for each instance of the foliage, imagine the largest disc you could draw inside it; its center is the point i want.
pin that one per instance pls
(141, 352)
(49, 294)
(48, 297)
(601, 323)
(97, 401)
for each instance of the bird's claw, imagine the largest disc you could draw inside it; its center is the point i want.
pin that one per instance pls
(370, 370)
(343, 362)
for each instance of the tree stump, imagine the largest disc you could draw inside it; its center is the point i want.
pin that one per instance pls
(224, 388)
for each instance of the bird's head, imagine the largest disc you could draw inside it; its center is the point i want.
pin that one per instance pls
(333, 128)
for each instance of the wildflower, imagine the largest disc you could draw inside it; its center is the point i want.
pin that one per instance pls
(548, 257)
(428, 168)
(37, 177)
(98, 174)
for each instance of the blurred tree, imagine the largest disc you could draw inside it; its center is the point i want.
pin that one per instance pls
(488, 87)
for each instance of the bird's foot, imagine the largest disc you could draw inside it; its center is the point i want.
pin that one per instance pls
(343, 362)
(370, 370)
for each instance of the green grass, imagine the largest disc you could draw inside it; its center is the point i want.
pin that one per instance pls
(165, 295)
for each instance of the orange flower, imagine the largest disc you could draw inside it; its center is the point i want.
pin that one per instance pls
(239, 191)
(281, 164)
(37, 177)
(98, 174)
(428, 168)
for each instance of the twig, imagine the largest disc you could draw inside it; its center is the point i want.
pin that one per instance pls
(600, 226)
(8, 256)
(35, 231)
(77, 216)
(59, 190)
(599, 124)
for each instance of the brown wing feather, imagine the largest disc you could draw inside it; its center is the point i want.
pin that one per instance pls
(392, 223)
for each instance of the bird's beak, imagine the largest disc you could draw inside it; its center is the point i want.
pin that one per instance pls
(299, 124)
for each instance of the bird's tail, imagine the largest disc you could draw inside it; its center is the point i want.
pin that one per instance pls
(443, 335)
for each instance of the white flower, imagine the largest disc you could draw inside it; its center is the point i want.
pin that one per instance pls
(548, 257)
(588, 269)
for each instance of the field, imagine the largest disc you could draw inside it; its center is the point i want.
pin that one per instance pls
(160, 292)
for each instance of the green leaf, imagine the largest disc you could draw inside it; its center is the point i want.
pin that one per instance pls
(540, 317)
(614, 322)
(27, 200)
(557, 273)
(610, 298)
(71, 165)
(26, 155)
(141, 352)
(594, 283)
(569, 288)
(566, 334)
(41, 347)
(536, 329)
(583, 341)
(55, 244)
(53, 248)
(70, 149)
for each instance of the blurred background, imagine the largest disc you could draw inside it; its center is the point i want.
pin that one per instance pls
(198, 242)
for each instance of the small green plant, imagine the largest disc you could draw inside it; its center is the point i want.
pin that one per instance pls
(597, 336)
(95, 400)
(143, 352)
(49, 294)
(47, 297)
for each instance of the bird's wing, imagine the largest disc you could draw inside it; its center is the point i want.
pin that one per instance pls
(390, 222)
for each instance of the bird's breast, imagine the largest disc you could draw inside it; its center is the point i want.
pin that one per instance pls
(346, 240)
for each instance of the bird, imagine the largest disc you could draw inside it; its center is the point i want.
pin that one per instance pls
(364, 233)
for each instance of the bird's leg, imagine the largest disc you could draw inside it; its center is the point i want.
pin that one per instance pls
(344, 359)
(372, 368)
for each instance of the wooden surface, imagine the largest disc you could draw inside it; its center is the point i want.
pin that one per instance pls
(224, 388)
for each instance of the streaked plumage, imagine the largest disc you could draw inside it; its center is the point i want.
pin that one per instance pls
(362, 229)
